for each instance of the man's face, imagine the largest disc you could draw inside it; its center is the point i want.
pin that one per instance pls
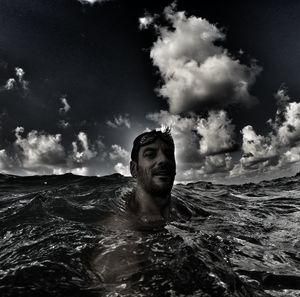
(156, 167)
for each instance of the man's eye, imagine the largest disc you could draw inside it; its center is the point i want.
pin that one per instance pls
(149, 154)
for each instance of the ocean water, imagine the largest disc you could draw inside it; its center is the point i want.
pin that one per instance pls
(66, 236)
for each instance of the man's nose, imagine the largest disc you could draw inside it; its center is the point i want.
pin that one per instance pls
(162, 158)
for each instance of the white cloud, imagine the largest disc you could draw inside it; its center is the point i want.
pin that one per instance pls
(80, 171)
(66, 106)
(257, 149)
(196, 72)
(20, 75)
(81, 150)
(214, 168)
(121, 155)
(122, 169)
(291, 156)
(118, 153)
(217, 133)
(289, 131)
(5, 161)
(10, 84)
(18, 83)
(41, 153)
(145, 22)
(119, 121)
(271, 154)
(39, 150)
(217, 163)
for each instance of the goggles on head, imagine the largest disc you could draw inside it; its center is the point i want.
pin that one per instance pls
(149, 137)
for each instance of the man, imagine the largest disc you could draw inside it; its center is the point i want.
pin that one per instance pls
(148, 206)
(153, 165)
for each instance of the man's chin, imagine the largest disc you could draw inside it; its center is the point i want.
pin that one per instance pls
(163, 183)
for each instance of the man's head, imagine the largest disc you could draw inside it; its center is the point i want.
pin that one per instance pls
(153, 161)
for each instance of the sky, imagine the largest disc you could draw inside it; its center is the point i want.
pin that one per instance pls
(80, 79)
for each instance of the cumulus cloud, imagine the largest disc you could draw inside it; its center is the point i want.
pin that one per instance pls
(289, 131)
(292, 155)
(122, 169)
(66, 106)
(145, 22)
(18, 83)
(119, 121)
(196, 72)
(213, 167)
(203, 145)
(20, 75)
(257, 150)
(38, 150)
(41, 153)
(119, 154)
(81, 150)
(276, 151)
(217, 133)
(5, 161)
(217, 163)
(10, 84)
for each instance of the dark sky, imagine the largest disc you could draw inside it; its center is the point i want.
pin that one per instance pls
(82, 78)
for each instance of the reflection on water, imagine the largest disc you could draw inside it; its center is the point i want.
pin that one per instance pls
(69, 236)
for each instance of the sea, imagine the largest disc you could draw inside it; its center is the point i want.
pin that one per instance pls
(65, 235)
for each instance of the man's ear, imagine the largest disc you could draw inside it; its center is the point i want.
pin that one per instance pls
(133, 168)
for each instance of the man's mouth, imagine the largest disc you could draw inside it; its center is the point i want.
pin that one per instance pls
(163, 173)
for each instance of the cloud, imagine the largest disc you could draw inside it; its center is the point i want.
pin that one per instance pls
(203, 145)
(5, 161)
(118, 153)
(41, 153)
(217, 133)
(20, 75)
(196, 72)
(289, 131)
(213, 168)
(217, 164)
(279, 149)
(10, 84)
(18, 83)
(66, 106)
(145, 22)
(38, 150)
(119, 121)
(122, 169)
(257, 149)
(81, 150)
(121, 155)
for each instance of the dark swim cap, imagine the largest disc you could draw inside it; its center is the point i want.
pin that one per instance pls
(149, 137)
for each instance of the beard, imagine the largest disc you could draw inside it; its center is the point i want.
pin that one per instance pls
(153, 184)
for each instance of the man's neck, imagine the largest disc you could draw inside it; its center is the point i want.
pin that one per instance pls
(148, 205)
